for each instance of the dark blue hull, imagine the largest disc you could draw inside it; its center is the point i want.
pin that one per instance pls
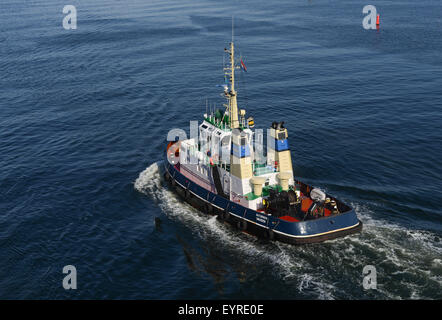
(259, 223)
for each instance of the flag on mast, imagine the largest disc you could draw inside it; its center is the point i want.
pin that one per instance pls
(243, 66)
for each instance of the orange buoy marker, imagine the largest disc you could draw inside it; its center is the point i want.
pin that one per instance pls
(377, 20)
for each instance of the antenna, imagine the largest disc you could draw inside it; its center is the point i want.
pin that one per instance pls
(232, 28)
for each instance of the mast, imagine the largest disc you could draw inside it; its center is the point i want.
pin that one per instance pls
(234, 123)
(231, 94)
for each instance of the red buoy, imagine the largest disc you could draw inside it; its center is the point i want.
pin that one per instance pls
(377, 20)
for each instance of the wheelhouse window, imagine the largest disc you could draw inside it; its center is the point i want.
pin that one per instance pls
(225, 141)
(281, 136)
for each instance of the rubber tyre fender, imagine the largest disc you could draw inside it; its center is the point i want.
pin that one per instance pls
(269, 234)
(206, 208)
(225, 215)
(209, 208)
(187, 194)
(241, 225)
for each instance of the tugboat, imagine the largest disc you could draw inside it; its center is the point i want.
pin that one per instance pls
(221, 172)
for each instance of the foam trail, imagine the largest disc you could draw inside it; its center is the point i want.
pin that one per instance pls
(321, 270)
(150, 182)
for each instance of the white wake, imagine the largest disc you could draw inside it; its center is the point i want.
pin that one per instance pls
(314, 268)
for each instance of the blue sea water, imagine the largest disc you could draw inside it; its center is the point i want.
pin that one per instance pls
(85, 113)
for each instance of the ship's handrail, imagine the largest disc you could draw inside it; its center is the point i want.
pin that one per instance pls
(342, 207)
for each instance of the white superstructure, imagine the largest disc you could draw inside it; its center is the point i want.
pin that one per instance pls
(222, 158)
